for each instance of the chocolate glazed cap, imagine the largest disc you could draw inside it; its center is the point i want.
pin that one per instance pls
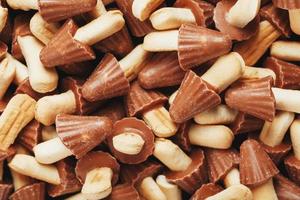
(194, 176)
(57, 10)
(35, 191)
(277, 17)
(194, 96)
(233, 32)
(254, 97)
(256, 167)
(287, 74)
(137, 28)
(107, 81)
(287, 4)
(68, 181)
(64, 49)
(139, 100)
(206, 190)
(96, 159)
(30, 135)
(202, 10)
(81, 134)
(132, 125)
(5, 191)
(124, 191)
(197, 45)
(286, 189)
(220, 162)
(161, 70)
(83, 106)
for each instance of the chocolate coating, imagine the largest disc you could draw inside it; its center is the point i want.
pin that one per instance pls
(81, 134)
(96, 159)
(57, 10)
(35, 191)
(107, 81)
(31, 135)
(64, 49)
(234, 33)
(132, 125)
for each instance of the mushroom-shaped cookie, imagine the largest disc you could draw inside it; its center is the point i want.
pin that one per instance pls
(111, 77)
(98, 172)
(77, 135)
(131, 141)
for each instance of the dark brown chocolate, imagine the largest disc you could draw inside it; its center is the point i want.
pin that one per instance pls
(235, 33)
(256, 167)
(5, 191)
(96, 159)
(134, 174)
(254, 97)
(161, 70)
(194, 176)
(244, 123)
(206, 190)
(286, 189)
(83, 106)
(279, 152)
(25, 88)
(31, 135)
(68, 181)
(140, 100)
(20, 28)
(81, 69)
(137, 28)
(57, 10)
(10, 152)
(35, 191)
(220, 162)
(119, 44)
(81, 134)
(197, 45)
(124, 191)
(3, 50)
(194, 96)
(182, 138)
(132, 125)
(277, 17)
(107, 81)
(287, 74)
(287, 4)
(113, 109)
(292, 166)
(64, 49)
(202, 10)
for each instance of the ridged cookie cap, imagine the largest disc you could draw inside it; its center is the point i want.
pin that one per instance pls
(107, 81)
(57, 10)
(132, 125)
(35, 191)
(194, 176)
(287, 4)
(254, 97)
(287, 74)
(194, 96)
(80, 134)
(202, 10)
(64, 49)
(137, 28)
(286, 189)
(5, 191)
(256, 167)
(96, 159)
(30, 135)
(244, 123)
(197, 45)
(140, 100)
(277, 17)
(68, 181)
(235, 33)
(124, 191)
(83, 107)
(206, 190)
(161, 70)
(292, 166)
(220, 162)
